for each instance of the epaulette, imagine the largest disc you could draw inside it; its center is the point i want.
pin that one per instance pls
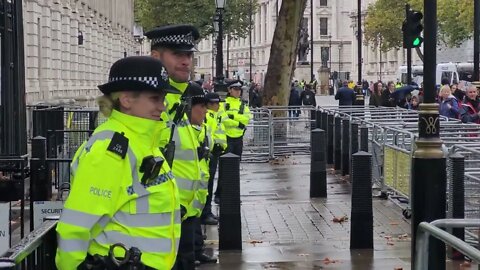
(119, 145)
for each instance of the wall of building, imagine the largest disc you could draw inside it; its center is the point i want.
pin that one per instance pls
(58, 68)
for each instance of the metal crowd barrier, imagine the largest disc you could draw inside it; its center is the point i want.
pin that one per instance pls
(35, 251)
(392, 132)
(425, 230)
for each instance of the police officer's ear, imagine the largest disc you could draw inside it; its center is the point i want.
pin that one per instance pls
(155, 53)
(126, 99)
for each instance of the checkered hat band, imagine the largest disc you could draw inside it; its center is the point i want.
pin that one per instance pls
(153, 81)
(175, 39)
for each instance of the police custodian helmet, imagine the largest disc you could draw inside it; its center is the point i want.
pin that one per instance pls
(137, 73)
(178, 37)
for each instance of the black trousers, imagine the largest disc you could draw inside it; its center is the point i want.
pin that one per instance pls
(199, 242)
(235, 146)
(212, 170)
(186, 251)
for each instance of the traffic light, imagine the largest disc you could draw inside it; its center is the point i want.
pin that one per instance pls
(412, 28)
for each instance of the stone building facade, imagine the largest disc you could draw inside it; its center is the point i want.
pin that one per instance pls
(331, 31)
(59, 67)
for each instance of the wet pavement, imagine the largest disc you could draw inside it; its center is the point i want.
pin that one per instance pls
(282, 228)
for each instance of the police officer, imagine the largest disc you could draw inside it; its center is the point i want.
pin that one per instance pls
(214, 121)
(174, 46)
(236, 117)
(122, 189)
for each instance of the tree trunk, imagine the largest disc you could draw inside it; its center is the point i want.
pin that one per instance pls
(283, 53)
(283, 56)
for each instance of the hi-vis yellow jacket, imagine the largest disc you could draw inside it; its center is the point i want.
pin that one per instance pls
(109, 204)
(213, 120)
(186, 164)
(235, 117)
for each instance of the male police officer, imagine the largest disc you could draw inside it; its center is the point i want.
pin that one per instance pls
(174, 46)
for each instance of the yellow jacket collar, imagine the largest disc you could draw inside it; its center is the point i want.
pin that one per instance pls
(180, 86)
(137, 125)
(232, 99)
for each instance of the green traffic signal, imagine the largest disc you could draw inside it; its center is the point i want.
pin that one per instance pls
(416, 42)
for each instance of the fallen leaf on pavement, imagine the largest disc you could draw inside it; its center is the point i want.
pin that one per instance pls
(340, 219)
(394, 223)
(328, 261)
(390, 243)
(398, 268)
(303, 254)
(255, 241)
(403, 236)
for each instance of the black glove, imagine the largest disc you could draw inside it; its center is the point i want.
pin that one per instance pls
(183, 210)
(240, 125)
(231, 116)
(217, 150)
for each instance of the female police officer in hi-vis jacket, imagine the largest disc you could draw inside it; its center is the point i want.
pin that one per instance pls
(122, 190)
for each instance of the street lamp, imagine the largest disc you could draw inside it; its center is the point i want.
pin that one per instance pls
(220, 5)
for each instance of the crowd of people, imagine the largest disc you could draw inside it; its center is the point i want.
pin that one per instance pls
(459, 101)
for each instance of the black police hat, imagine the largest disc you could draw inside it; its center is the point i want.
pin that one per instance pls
(196, 93)
(178, 37)
(137, 73)
(212, 97)
(235, 84)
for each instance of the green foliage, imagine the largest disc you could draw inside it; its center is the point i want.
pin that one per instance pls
(152, 13)
(385, 17)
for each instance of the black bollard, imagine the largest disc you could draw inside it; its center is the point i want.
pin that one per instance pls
(364, 138)
(457, 200)
(330, 131)
(337, 143)
(318, 119)
(353, 142)
(40, 183)
(230, 229)
(318, 166)
(361, 225)
(324, 122)
(345, 163)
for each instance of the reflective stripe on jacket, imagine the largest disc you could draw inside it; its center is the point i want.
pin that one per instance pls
(108, 204)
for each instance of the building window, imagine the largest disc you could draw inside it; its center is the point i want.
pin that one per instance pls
(323, 26)
(323, 3)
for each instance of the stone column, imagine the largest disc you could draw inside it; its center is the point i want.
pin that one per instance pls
(88, 44)
(33, 15)
(65, 41)
(81, 49)
(46, 62)
(74, 52)
(95, 53)
(56, 49)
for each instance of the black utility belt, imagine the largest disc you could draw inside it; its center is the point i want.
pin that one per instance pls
(97, 262)
(235, 139)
